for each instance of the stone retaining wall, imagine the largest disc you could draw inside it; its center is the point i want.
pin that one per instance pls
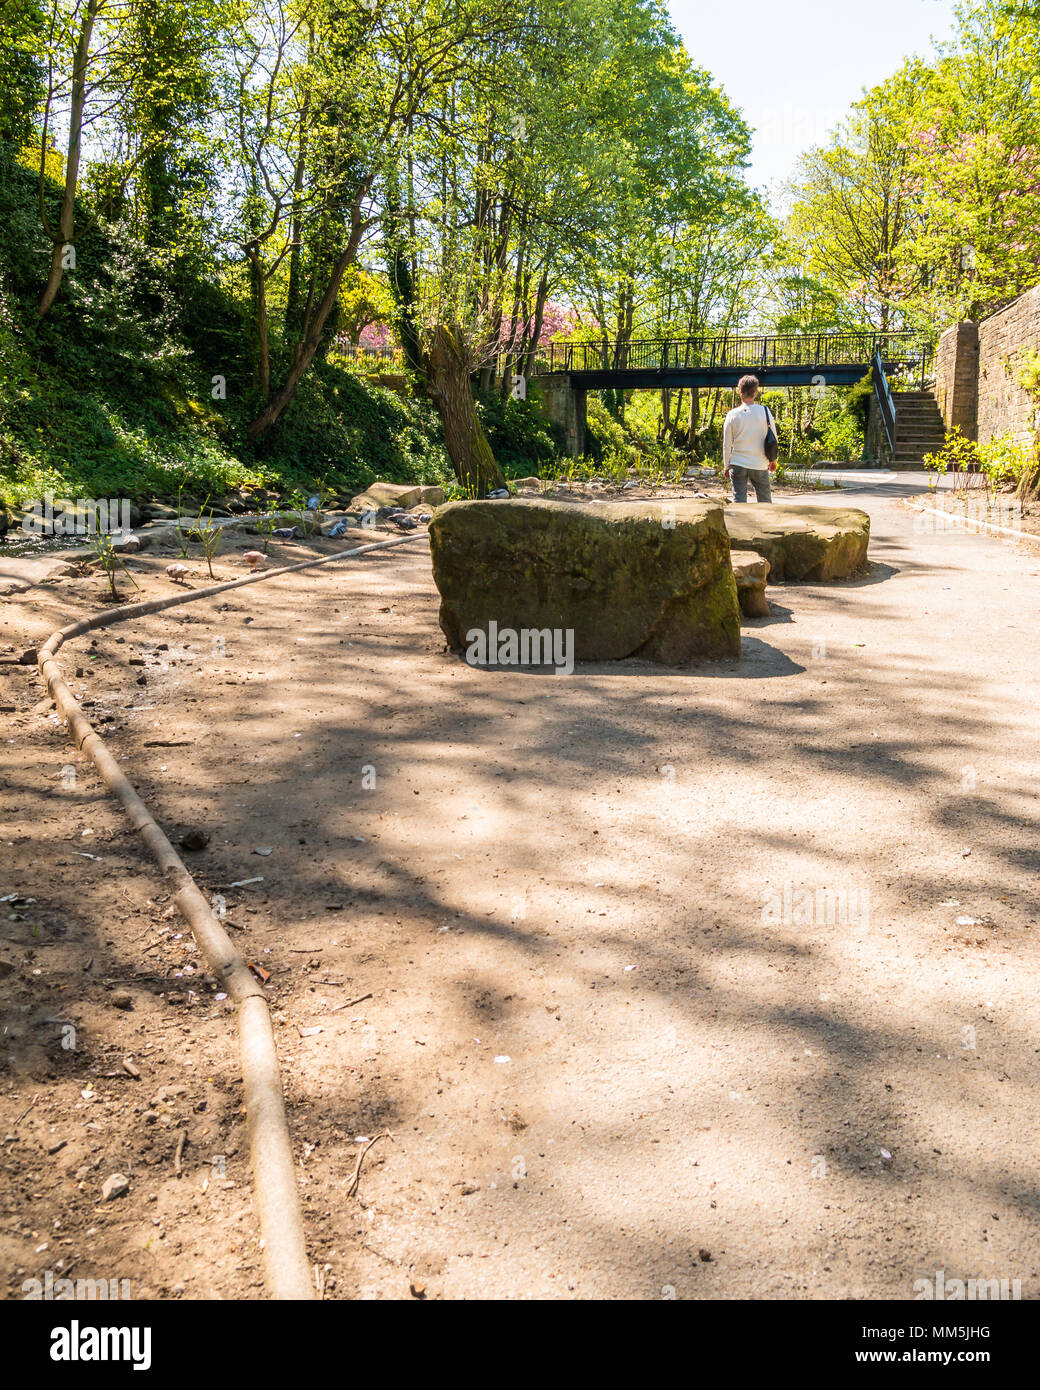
(1003, 406)
(976, 366)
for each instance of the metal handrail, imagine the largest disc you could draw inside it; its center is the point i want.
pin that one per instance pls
(883, 394)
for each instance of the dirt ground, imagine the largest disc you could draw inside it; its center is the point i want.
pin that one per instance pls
(708, 983)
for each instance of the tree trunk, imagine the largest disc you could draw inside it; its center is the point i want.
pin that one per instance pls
(539, 318)
(449, 385)
(54, 278)
(309, 344)
(263, 343)
(402, 283)
(294, 294)
(66, 218)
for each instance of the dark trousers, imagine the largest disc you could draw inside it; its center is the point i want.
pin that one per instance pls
(759, 478)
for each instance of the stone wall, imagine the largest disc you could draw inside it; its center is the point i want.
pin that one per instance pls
(976, 366)
(1003, 406)
(957, 378)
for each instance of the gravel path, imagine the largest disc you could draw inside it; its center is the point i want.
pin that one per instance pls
(713, 983)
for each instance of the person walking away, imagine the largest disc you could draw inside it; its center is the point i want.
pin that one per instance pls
(744, 443)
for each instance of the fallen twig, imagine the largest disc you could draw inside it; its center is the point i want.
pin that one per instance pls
(350, 1002)
(25, 1112)
(182, 1139)
(355, 1177)
(372, 1250)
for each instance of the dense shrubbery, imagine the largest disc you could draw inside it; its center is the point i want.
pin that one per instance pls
(829, 430)
(608, 442)
(112, 393)
(521, 439)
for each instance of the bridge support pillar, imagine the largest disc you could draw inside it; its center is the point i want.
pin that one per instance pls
(564, 405)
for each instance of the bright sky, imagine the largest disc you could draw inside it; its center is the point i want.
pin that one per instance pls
(803, 62)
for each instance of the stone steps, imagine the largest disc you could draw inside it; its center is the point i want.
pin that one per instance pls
(919, 428)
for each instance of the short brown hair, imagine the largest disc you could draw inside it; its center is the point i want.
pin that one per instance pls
(748, 386)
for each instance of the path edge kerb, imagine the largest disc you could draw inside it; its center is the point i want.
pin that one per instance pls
(971, 526)
(287, 1268)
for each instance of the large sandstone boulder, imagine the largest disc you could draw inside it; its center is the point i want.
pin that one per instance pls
(403, 495)
(638, 579)
(801, 542)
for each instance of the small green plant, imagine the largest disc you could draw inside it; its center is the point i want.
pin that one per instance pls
(324, 495)
(308, 517)
(456, 491)
(209, 536)
(267, 522)
(957, 453)
(790, 475)
(104, 548)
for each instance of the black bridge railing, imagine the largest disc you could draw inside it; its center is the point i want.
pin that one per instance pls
(821, 350)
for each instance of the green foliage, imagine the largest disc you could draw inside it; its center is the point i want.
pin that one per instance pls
(1006, 462)
(350, 432)
(857, 402)
(21, 68)
(607, 442)
(841, 438)
(1028, 372)
(103, 547)
(521, 439)
(924, 208)
(111, 394)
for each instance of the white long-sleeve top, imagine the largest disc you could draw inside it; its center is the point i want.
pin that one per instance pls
(744, 436)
